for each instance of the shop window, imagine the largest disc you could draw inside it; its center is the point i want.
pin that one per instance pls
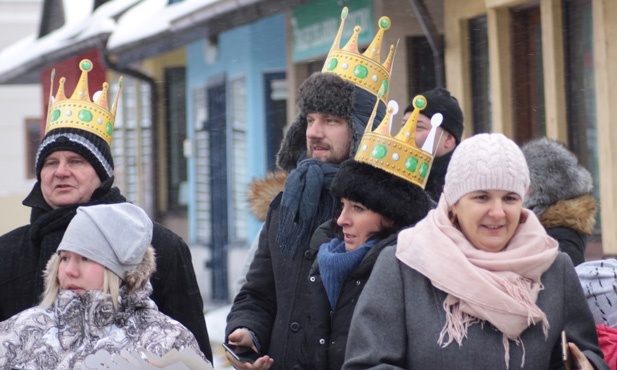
(528, 77)
(420, 66)
(175, 119)
(480, 80)
(132, 143)
(239, 159)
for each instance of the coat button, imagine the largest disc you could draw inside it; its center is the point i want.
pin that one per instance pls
(312, 279)
(307, 255)
(358, 282)
(322, 341)
(294, 327)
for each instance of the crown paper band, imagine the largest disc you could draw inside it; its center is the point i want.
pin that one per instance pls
(364, 70)
(79, 111)
(399, 155)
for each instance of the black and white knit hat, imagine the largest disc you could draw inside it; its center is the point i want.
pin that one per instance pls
(90, 146)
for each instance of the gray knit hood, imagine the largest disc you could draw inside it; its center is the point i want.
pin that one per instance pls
(555, 174)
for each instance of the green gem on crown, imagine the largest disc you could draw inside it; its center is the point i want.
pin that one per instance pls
(332, 63)
(85, 65)
(424, 169)
(360, 71)
(419, 102)
(109, 128)
(384, 86)
(379, 151)
(85, 115)
(411, 164)
(55, 115)
(344, 13)
(384, 23)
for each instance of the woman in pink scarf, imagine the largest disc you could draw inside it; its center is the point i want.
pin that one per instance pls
(477, 284)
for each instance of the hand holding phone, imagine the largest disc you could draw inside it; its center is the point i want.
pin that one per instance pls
(242, 354)
(565, 352)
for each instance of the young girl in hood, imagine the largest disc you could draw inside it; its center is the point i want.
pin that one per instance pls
(96, 297)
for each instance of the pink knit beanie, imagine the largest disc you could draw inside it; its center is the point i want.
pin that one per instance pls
(486, 162)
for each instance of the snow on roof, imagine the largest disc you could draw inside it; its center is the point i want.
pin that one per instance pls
(80, 26)
(153, 17)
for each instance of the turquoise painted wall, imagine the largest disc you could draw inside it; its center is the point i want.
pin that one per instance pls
(249, 51)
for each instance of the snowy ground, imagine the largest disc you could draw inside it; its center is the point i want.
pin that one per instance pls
(215, 320)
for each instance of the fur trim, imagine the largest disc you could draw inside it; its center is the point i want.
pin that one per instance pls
(578, 214)
(389, 195)
(139, 276)
(555, 174)
(262, 191)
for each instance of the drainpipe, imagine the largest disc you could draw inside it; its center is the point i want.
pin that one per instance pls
(428, 27)
(153, 112)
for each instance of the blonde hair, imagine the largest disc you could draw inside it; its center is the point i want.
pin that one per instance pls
(135, 278)
(111, 283)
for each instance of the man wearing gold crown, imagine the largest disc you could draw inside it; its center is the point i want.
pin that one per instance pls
(269, 312)
(74, 167)
(448, 136)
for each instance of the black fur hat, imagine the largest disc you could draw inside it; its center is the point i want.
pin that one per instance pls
(555, 174)
(381, 192)
(330, 94)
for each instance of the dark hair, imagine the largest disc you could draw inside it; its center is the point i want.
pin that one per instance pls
(383, 231)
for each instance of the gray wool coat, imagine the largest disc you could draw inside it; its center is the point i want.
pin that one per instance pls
(399, 316)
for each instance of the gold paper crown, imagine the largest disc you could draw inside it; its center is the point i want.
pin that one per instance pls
(364, 70)
(399, 155)
(79, 111)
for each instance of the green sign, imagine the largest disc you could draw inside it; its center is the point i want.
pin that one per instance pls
(314, 26)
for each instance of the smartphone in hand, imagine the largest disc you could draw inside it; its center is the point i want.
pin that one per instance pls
(242, 354)
(565, 352)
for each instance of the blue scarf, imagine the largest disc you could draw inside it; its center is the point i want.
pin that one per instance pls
(303, 208)
(335, 264)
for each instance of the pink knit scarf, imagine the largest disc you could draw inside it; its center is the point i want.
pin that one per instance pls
(501, 288)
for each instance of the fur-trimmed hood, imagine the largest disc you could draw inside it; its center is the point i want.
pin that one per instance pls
(578, 214)
(263, 191)
(555, 174)
(324, 92)
(136, 278)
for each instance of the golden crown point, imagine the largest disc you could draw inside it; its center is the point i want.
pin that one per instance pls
(365, 70)
(79, 111)
(397, 155)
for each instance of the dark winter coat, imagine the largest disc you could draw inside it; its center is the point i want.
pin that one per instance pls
(400, 315)
(273, 301)
(326, 339)
(26, 250)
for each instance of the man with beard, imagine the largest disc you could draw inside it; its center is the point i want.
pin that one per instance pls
(269, 313)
